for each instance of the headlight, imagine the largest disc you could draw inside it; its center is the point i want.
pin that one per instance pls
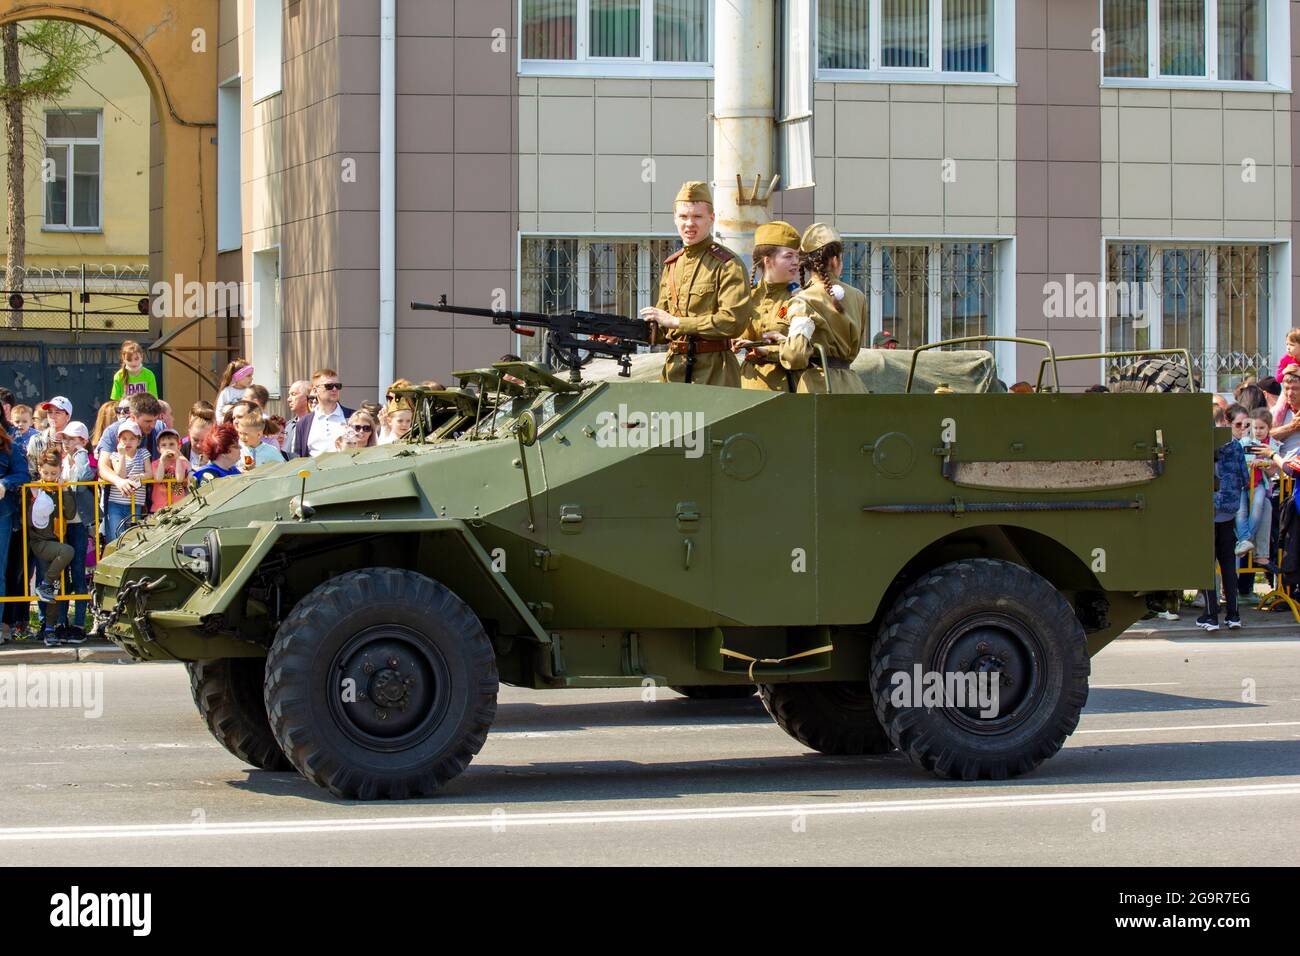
(194, 558)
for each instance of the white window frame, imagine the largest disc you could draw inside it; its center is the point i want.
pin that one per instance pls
(1279, 295)
(643, 67)
(268, 49)
(72, 142)
(230, 229)
(265, 338)
(1278, 53)
(1004, 53)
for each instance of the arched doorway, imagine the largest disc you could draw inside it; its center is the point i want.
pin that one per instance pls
(174, 43)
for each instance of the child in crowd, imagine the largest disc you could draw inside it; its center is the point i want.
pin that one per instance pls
(44, 530)
(1255, 516)
(20, 417)
(253, 449)
(133, 377)
(237, 377)
(170, 464)
(126, 470)
(200, 424)
(77, 468)
(1292, 356)
(1232, 480)
(400, 420)
(40, 419)
(276, 432)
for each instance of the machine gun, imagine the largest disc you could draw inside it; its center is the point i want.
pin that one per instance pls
(614, 335)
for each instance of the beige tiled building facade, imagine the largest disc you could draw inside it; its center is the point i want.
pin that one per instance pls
(1103, 174)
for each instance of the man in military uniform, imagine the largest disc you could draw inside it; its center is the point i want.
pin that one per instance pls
(704, 297)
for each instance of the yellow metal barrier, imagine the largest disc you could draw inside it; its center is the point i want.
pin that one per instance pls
(27, 597)
(1281, 594)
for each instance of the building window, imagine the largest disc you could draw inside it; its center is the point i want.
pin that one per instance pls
(268, 54)
(230, 231)
(73, 169)
(267, 321)
(926, 292)
(615, 37)
(1192, 42)
(1211, 300)
(619, 276)
(910, 38)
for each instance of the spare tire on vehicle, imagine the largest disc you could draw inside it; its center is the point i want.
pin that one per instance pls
(1153, 375)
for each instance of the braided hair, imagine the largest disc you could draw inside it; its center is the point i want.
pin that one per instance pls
(760, 253)
(817, 263)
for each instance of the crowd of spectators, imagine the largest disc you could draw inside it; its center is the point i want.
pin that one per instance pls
(87, 478)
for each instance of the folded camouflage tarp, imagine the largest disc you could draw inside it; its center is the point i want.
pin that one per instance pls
(883, 371)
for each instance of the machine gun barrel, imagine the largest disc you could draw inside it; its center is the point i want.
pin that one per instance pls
(614, 335)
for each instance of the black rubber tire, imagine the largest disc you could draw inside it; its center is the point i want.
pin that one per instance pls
(834, 717)
(228, 694)
(715, 691)
(1152, 375)
(319, 737)
(934, 609)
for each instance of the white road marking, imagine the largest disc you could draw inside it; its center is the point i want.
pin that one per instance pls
(501, 819)
(1150, 730)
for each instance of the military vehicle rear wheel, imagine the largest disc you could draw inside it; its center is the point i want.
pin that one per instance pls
(715, 691)
(832, 717)
(228, 694)
(381, 684)
(980, 617)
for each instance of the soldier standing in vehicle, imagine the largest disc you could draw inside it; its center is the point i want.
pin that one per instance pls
(776, 255)
(703, 297)
(824, 312)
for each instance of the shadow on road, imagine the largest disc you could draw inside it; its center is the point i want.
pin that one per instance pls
(1131, 701)
(818, 777)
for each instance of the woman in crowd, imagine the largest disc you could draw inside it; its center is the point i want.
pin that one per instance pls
(221, 448)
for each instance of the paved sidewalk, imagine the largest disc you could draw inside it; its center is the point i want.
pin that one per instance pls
(1255, 623)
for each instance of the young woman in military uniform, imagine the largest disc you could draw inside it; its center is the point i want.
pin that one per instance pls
(824, 312)
(703, 297)
(776, 256)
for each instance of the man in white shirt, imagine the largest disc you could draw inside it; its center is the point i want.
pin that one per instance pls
(316, 433)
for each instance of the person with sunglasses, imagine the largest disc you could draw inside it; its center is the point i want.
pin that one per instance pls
(359, 433)
(318, 430)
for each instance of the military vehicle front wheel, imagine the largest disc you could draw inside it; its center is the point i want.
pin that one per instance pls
(980, 670)
(831, 717)
(381, 684)
(715, 691)
(228, 694)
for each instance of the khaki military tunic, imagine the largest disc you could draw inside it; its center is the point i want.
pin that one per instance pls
(838, 332)
(770, 303)
(704, 285)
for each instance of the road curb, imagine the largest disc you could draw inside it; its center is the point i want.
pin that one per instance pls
(37, 653)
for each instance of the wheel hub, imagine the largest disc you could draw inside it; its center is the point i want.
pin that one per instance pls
(391, 688)
(1003, 656)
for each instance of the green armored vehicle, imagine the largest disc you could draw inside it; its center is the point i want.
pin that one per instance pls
(862, 559)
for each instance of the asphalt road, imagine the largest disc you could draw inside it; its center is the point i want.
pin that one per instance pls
(1169, 766)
